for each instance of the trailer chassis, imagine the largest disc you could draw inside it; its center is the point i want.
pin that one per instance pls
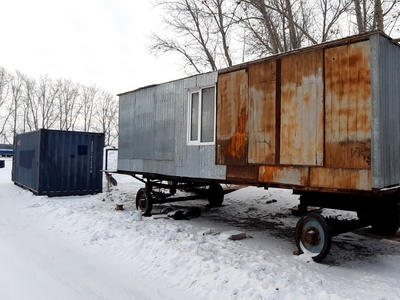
(378, 209)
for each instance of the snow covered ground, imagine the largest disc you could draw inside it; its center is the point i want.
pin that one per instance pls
(82, 248)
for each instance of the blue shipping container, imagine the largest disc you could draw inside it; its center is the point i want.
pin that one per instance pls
(59, 163)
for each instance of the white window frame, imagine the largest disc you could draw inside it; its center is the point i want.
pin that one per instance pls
(189, 115)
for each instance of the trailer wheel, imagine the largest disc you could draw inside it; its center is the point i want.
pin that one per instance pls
(313, 236)
(144, 201)
(385, 220)
(215, 195)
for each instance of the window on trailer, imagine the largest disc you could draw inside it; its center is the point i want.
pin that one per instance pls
(201, 129)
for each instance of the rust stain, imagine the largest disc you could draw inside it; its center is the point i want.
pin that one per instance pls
(302, 110)
(262, 113)
(236, 147)
(348, 106)
(247, 173)
(232, 118)
(340, 178)
(284, 175)
(349, 154)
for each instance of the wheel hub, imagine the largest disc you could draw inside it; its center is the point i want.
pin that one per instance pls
(311, 236)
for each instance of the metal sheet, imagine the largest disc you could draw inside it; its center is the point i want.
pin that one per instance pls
(302, 110)
(385, 77)
(163, 123)
(284, 175)
(262, 113)
(248, 174)
(153, 132)
(340, 178)
(348, 106)
(232, 117)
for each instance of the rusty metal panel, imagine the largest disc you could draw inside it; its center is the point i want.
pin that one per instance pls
(302, 109)
(385, 79)
(348, 106)
(284, 175)
(262, 113)
(248, 174)
(232, 118)
(340, 178)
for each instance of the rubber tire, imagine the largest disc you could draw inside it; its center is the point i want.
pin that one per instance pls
(385, 221)
(144, 201)
(215, 195)
(326, 231)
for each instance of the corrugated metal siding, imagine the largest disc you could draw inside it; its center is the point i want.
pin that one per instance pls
(309, 118)
(302, 111)
(242, 173)
(385, 69)
(350, 179)
(262, 113)
(348, 106)
(136, 135)
(284, 175)
(156, 140)
(232, 118)
(181, 122)
(26, 160)
(163, 138)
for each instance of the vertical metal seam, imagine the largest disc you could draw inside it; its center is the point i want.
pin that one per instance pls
(278, 113)
(323, 108)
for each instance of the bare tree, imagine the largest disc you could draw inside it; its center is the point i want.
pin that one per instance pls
(275, 26)
(376, 15)
(206, 32)
(30, 105)
(47, 92)
(68, 104)
(107, 116)
(5, 86)
(88, 98)
(17, 82)
(5, 78)
(329, 15)
(201, 33)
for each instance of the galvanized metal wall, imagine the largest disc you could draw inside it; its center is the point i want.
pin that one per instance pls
(385, 68)
(153, 132)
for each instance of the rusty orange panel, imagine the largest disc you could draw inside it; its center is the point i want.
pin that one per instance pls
(232, 118)
(302, 110)
(262, 113)
(353, 179)
(284, 175)
(348, 106)
(248, 174)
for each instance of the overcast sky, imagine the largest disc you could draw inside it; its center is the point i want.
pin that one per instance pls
(88, 41)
